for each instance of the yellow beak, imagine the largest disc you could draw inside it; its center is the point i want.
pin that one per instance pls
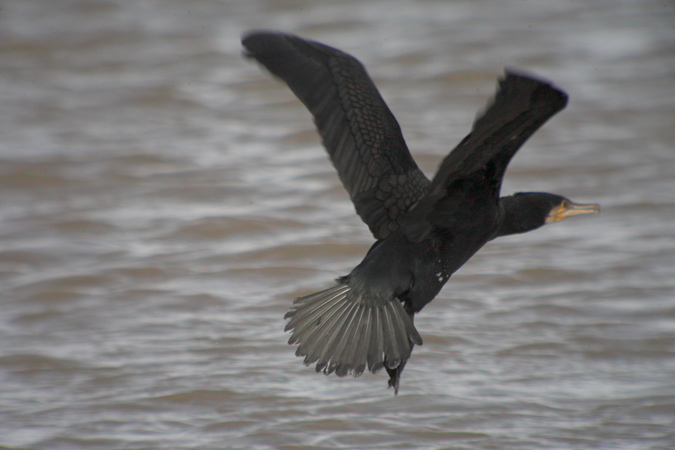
(567, 209)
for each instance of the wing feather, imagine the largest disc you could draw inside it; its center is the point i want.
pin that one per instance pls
(359, 131)
(471, 175)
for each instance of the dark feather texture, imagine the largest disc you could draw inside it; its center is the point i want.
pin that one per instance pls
(345, 333)
(425, 230)
(361, 135)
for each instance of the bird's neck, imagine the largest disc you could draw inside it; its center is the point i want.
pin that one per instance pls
(515, 216)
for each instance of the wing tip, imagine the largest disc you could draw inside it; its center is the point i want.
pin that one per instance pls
(542, 90)
(257, 42)
(251, 37)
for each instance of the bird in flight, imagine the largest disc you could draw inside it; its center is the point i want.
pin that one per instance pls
(424, 229)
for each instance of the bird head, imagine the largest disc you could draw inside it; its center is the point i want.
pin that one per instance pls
(525, 211)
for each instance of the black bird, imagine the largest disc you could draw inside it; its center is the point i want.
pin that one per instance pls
(425, 230)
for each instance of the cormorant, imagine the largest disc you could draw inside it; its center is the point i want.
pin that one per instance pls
(425, 230)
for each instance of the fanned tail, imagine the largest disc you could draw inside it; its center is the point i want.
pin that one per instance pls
(344, 333)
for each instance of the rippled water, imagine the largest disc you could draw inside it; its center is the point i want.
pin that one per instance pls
(162, 201)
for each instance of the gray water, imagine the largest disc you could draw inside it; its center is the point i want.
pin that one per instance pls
(162, 201)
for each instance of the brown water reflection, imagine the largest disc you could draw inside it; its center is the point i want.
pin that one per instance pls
(162, 201)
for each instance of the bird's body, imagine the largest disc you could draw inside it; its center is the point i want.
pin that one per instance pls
(425, 230)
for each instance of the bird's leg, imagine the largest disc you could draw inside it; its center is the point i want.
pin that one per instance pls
(395, 375)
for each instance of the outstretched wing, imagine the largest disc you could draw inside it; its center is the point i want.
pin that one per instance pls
(474, 170)
(359, 131)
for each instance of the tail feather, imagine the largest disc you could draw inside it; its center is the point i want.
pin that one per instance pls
(314, 308)
(356, 349)
(318, 336)
(346, 333)
(399, 327)
(375, 363)
(390, 341)
(350, 347)
(307, 325)
(330, 357)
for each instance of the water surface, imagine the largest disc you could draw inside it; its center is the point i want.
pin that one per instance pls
(162, 201)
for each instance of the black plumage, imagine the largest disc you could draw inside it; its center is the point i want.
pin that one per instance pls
(425, 230)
